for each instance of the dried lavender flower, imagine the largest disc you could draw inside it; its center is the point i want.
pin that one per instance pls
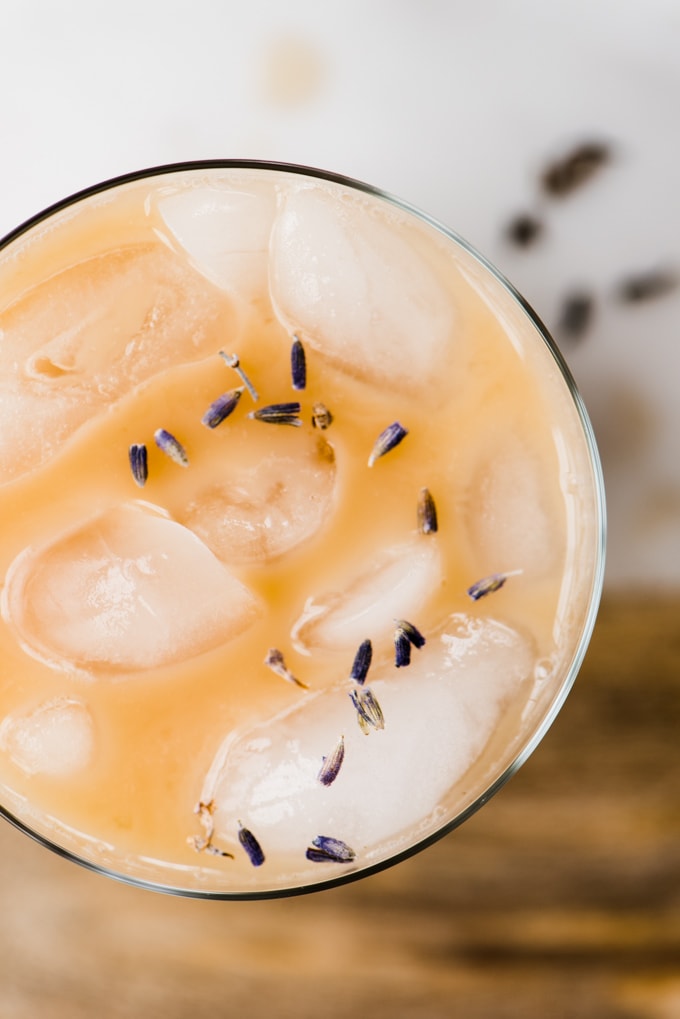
(362, 662)
(577, 314)
(386, 441)
(427, 512)
(329, 850)
(222, 407)
(233, 361)
(405, 635)
(646, 286)
(487, 585)
(278, 414)
(368, 710)
(251, 846)
(524, 229)
(565, 175)
(276, 663)
(138, 463)
(171, 446)
(331, 765)
(321, 416)
(411, 632)
(364, 725)
(298, 364)
(402, 649)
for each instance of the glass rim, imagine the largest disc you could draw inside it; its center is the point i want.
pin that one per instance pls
(571, 670)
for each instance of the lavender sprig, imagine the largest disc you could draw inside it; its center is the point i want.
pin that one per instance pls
(233, 361)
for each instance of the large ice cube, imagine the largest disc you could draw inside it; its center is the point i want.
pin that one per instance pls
(514, 518)
(56, 738)
(439, 715)
(81, 339)
(346, 279)
(128, 590)
(225, 231)
(398, 584)
(264, 506)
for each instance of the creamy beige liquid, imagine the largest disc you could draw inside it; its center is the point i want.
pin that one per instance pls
(133, 690)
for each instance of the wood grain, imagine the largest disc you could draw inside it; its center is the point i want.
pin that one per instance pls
(559, 900)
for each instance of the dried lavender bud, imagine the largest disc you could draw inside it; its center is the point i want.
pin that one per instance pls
(328, 850)
(138, 463)
(577, 314)
(276, 663)
(427, 512)
(369, 713)
(565, 175)
(331, 765)
(490, 584)
(298, 364)
(405, 635)
(172, 448)
(411, 632)
(221, 408)
(362, 662)
(402, 649)
(524, 230)
(647, 285)
(278, 414)
(321, 416)
(251, 846)
(386, 441)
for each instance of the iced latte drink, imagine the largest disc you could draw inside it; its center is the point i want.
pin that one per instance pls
(301, 537)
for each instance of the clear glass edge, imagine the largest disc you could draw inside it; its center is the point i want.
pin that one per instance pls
(598, 574)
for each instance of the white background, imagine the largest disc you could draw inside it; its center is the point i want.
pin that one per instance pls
(456, 107)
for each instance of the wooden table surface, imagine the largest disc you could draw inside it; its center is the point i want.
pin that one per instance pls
(560, 899)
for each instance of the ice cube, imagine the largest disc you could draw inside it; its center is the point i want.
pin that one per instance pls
(358, 290)
(398, 584)
(513, 518)
(81, 339)
(57, 738)
(127, 590)
(225, 232)
(34, 422)
(265, 505)
(439, 714)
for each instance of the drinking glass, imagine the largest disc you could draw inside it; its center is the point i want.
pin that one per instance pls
(300, 250)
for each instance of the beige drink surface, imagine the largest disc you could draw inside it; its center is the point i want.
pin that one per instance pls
(134, 689)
